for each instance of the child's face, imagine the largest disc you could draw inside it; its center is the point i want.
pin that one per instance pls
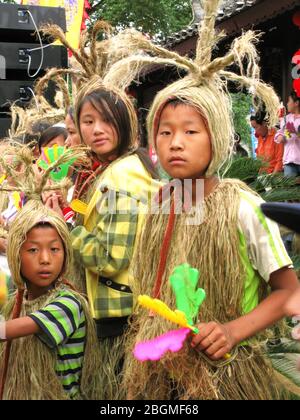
(73, 138)
(261, 130)
(292, 106)
(96, 132)
(59, 140)
(183, 142)
(42, 257)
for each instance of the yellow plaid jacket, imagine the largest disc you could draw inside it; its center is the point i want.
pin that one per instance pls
(106, 241)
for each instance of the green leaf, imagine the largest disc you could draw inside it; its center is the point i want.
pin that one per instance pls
(271, 187)
(285, 358)
(241, 103)
(282, 194)
(245, 169)
(286, 364)
(285, 346)
(158, 18)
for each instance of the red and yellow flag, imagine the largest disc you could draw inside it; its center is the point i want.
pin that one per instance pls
(75, 15)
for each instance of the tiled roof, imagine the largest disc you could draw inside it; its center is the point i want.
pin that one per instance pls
(228, 8)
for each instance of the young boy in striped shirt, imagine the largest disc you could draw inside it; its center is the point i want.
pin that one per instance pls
(51, 339)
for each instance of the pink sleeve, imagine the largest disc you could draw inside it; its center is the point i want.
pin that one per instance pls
(281, 132)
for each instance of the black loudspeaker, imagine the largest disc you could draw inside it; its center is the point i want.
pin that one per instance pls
(5, 123)
(22, 92)
(24, 56)
(19, 91)
(17, 21)
(19, 59)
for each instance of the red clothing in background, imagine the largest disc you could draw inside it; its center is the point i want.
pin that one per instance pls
(270, 152)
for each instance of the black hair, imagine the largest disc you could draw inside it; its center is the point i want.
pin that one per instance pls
(259, 117)
(49, 134)
(71, 113)
(295, 97)
(175, 102)
(36, 130)
(44, 225)
(147, 162)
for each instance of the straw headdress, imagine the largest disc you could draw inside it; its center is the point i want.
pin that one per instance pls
(39, 110)
(111, 64)
(94, 65)
(27, 219)
(26, 179)
(205, 83)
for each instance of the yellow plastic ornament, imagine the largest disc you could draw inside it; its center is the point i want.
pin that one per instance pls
(160, 308)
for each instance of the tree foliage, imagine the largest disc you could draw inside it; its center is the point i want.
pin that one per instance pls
(158, 18)
(271, 187)
(241, 110)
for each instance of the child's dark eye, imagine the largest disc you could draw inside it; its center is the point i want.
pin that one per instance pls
(165, 133)
(191, 132)
(32, 250)
(55, 249)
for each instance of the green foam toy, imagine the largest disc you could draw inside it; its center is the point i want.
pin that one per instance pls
(189, 298)
(49, 156)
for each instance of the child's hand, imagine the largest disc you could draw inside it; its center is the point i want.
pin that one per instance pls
(292, 306)
(52, 202)
(280, 139)
(214, 339)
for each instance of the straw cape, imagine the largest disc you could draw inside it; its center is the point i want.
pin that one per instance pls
(93, 71)
(211, 247)
(27, 365)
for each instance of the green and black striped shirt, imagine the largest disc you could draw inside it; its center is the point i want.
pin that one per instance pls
(63, 327)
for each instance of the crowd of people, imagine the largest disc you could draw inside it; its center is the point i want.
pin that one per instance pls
(80, 251)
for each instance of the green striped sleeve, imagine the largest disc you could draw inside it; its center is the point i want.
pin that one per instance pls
(58, 320)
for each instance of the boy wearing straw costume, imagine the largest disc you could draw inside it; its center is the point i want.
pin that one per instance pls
(111, 202)
(238, 251)
(50, 350)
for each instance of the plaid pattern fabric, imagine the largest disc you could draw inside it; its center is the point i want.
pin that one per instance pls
(107, 250)
(112, 303)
